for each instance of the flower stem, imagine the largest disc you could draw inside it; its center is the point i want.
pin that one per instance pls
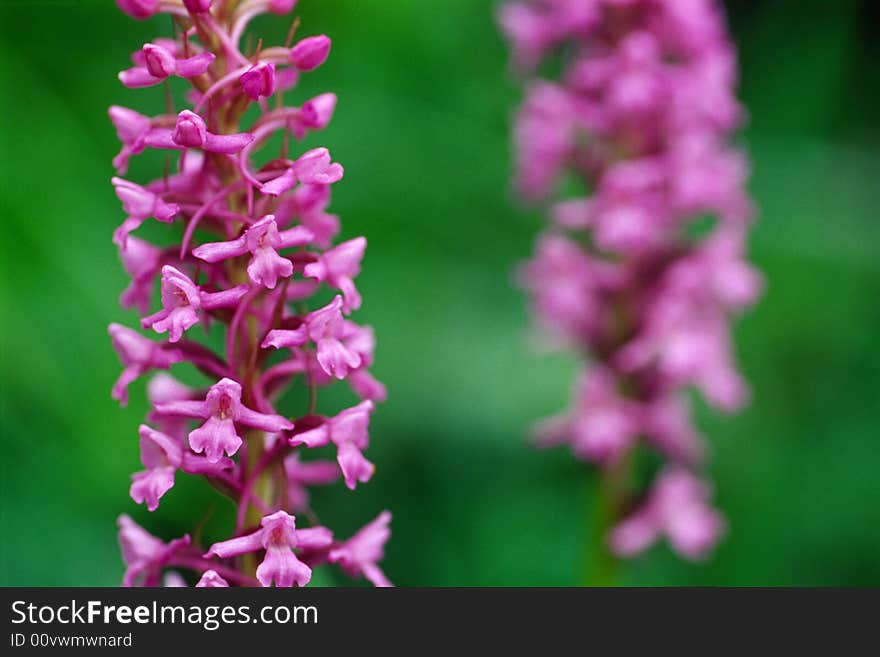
(602, 566)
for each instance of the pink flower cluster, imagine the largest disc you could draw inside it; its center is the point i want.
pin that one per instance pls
(252, 248)
(642, 268)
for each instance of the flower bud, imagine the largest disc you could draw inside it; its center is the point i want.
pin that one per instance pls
(259, 81)
(190, 131)
(159, 61)
(139, 9)
(310, 53)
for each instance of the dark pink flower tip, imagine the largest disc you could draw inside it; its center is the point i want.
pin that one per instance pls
(310, 53)
(139, 9)
(197, 6)
(259, 81)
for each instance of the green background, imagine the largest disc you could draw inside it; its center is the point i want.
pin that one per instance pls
(422, 128)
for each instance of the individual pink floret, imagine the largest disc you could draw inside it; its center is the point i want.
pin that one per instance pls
(279, 537)
(348, 432)
(360, 555)
(262, 240)
(222, 410)
(159, 63)
(182, 300)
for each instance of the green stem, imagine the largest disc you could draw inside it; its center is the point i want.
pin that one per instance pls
(602, 566)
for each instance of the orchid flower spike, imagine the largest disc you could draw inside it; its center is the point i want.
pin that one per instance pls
(227, 258)
(640, 117)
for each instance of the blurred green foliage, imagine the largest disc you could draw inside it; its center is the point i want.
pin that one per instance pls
(422, 128)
